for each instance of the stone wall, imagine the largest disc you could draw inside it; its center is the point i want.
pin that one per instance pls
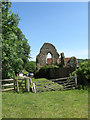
(45, 49)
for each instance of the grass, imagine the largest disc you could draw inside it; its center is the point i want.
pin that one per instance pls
(54, 104)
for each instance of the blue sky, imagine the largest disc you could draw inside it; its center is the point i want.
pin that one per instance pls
(63, 24)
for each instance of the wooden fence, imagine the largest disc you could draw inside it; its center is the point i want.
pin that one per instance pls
(15, 84)
(8, 84)
(26, 84)
(57, 84)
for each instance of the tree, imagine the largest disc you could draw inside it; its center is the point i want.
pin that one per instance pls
(15, 48)
(31, 66)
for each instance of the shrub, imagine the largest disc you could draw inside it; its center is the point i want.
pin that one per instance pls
(83, 73)
(43, 72)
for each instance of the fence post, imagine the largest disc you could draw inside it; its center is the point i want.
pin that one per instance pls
(14, 84)
(31, 84)
(17, 85)
(28, 85)
(25, 85)
(76, 79)
(34, 87)
(31, 81)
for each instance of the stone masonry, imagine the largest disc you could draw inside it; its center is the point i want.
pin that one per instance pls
(42, 56)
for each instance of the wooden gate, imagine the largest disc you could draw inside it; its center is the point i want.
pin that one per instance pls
(22, 84)
(57, 84)
(15, 84)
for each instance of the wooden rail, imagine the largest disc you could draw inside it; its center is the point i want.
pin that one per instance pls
(15, 84)
(6, 80)
(7, 85)
(62, 83)
(7, 89)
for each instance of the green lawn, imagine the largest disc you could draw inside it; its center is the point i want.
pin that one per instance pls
(54, 104)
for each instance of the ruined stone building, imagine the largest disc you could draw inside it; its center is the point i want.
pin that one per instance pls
(41, 58)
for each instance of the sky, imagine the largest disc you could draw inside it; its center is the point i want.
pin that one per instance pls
(63, 24)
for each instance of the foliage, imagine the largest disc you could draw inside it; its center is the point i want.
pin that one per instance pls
(83, 73)
(82, 60)
(25, 72)
(31, 66)
(43, 72)
(55, 66)
(15, 48)
(55, 104)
